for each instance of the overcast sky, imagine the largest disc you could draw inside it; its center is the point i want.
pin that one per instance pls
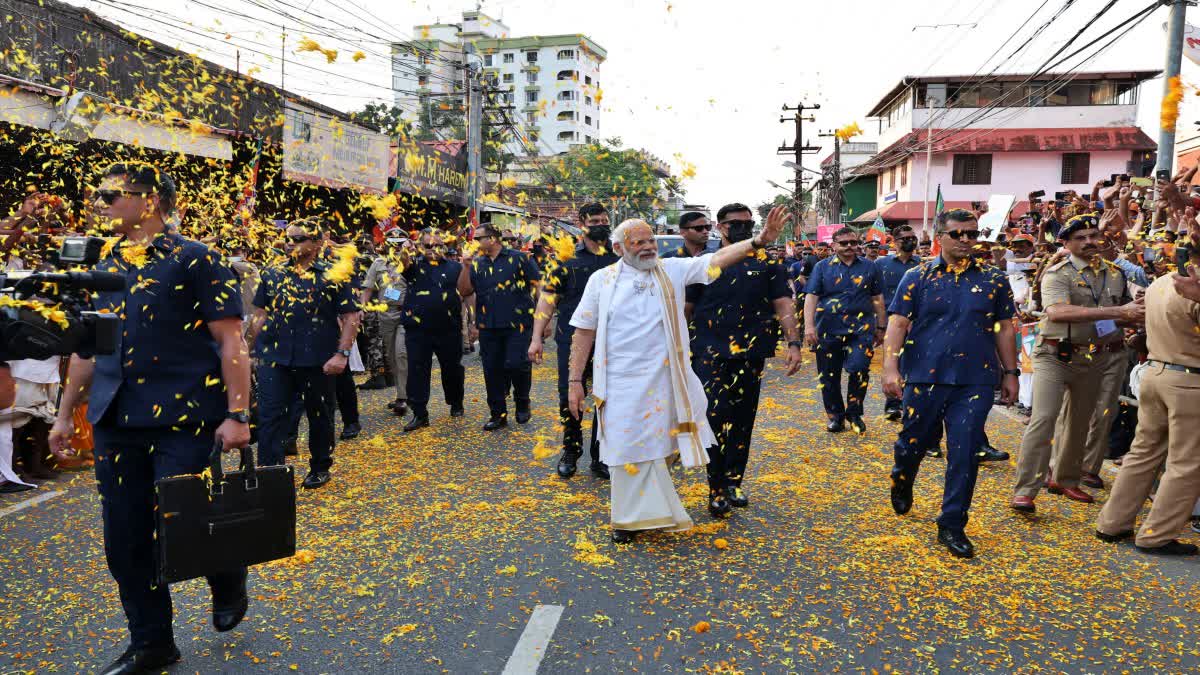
(701, 79)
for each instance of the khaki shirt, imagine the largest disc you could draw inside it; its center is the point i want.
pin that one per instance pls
(1074, 282)
(383, 278)
(1172, 325)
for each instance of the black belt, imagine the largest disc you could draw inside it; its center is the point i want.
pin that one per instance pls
(1191, 370)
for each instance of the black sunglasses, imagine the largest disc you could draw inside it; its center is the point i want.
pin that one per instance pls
(846, 243)
(957, 235)
(908, 238)
(111, 196)
(301, 238)
(743, 223)
(703, 228)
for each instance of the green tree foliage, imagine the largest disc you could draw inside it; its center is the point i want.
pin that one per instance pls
(387, 118)
(629, 182)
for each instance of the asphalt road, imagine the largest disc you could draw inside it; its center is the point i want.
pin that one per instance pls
(429, 552)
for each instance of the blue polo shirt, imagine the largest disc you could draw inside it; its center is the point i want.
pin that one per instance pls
(844, 293)
(504, 290)
(891, 271)
(567, 281)
(734, 316)
(166, 370)
(432, 302)
(301, 328)
(954, 318)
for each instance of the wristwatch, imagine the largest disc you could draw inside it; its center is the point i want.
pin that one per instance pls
(344, 352)
(1015, 372)
(238, 416)
(798, 344)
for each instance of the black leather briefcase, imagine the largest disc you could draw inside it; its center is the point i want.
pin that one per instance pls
(225, 521)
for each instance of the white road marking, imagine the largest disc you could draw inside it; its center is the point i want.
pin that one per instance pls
(30, 502)
(531, 648)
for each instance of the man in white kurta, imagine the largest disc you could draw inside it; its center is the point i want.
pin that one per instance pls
(650, 404)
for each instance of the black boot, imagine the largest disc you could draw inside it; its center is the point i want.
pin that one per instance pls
(376, 381)
(144, 660)
(957, 542)
(600, 470)
(568, 464)
(227, 612)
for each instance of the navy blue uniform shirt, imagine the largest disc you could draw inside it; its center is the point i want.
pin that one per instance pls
(891, 271)
(954, 318)
(567, 281)
(844, 295)
(734, 316)
(432, 302)
(166, 370)
(301, 329)
(504, 290)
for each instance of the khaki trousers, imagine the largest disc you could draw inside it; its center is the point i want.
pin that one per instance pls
(1114, 367)
(1168, 429)
(1052, 381)
(397, 349)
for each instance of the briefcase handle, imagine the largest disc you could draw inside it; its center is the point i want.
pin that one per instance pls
(249, 475)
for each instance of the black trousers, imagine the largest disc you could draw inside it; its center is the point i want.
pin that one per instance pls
(280, 388)
(505, 356)
(347, 396)
(128, 461)
(422, 346)
(573, 428)
(732, 387)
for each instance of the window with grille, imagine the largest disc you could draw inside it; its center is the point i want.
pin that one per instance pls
(1075, 167)
(972, 170)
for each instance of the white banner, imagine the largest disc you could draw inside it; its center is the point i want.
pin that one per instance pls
(322, 150)
(150, 132)
(1191, 43)
(996, 219)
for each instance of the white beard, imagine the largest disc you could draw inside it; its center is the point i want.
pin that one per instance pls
(640, 264)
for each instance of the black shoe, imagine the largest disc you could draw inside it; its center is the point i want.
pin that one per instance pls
(523, 416)
(902, 498)
(600, 470)
(718, 506)
(393, 404)
(737, 498)
(496, 422)
(623, 536)
(376, 381)
(957, 542)
(290, 449)
(457, 411)
(856, 423)
(315, 479)
(836, 425)
(935, 451)
(568, 464)
(9, 487)
(144, 660)
(893, 414)
(417, 422)
(1114, 538)
(989, 454)
(1173, 547)
(351, 431)
(400, 410)
(228, 613)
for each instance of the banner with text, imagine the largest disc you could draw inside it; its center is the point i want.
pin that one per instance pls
(427, 172)
(320, 149)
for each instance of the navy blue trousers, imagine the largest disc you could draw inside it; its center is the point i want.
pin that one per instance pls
(963, 410)
(280, 390)
(505, 356)
(422, 346)
(853, 354)
(572, 428)
(128, 461)
(732, 387)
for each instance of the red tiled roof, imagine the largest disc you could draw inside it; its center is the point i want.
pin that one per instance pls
(898, 212)
(1091, 139)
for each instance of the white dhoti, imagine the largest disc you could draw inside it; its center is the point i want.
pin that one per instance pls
(646, 500)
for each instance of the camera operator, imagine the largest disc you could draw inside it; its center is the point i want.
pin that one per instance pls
(179, 378)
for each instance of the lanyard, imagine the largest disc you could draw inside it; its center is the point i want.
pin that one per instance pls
(1091, 289)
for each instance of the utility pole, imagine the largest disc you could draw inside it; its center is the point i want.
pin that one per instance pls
(799, 149)
(834, 180)
(1175, 30)
(474, 91)
(282, 55)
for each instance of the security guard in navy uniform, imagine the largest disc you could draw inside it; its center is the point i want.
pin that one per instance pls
(892, 269)
(562, 290)
(178, 382)
(735, 327)
(504, 282)
(304, 326)
(432, 317)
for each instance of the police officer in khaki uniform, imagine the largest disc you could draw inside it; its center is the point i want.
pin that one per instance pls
(1084, 297)
(1168, 419)
(385, 281)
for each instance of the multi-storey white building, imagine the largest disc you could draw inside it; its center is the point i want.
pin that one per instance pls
(1007, 134)
(552, 82)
